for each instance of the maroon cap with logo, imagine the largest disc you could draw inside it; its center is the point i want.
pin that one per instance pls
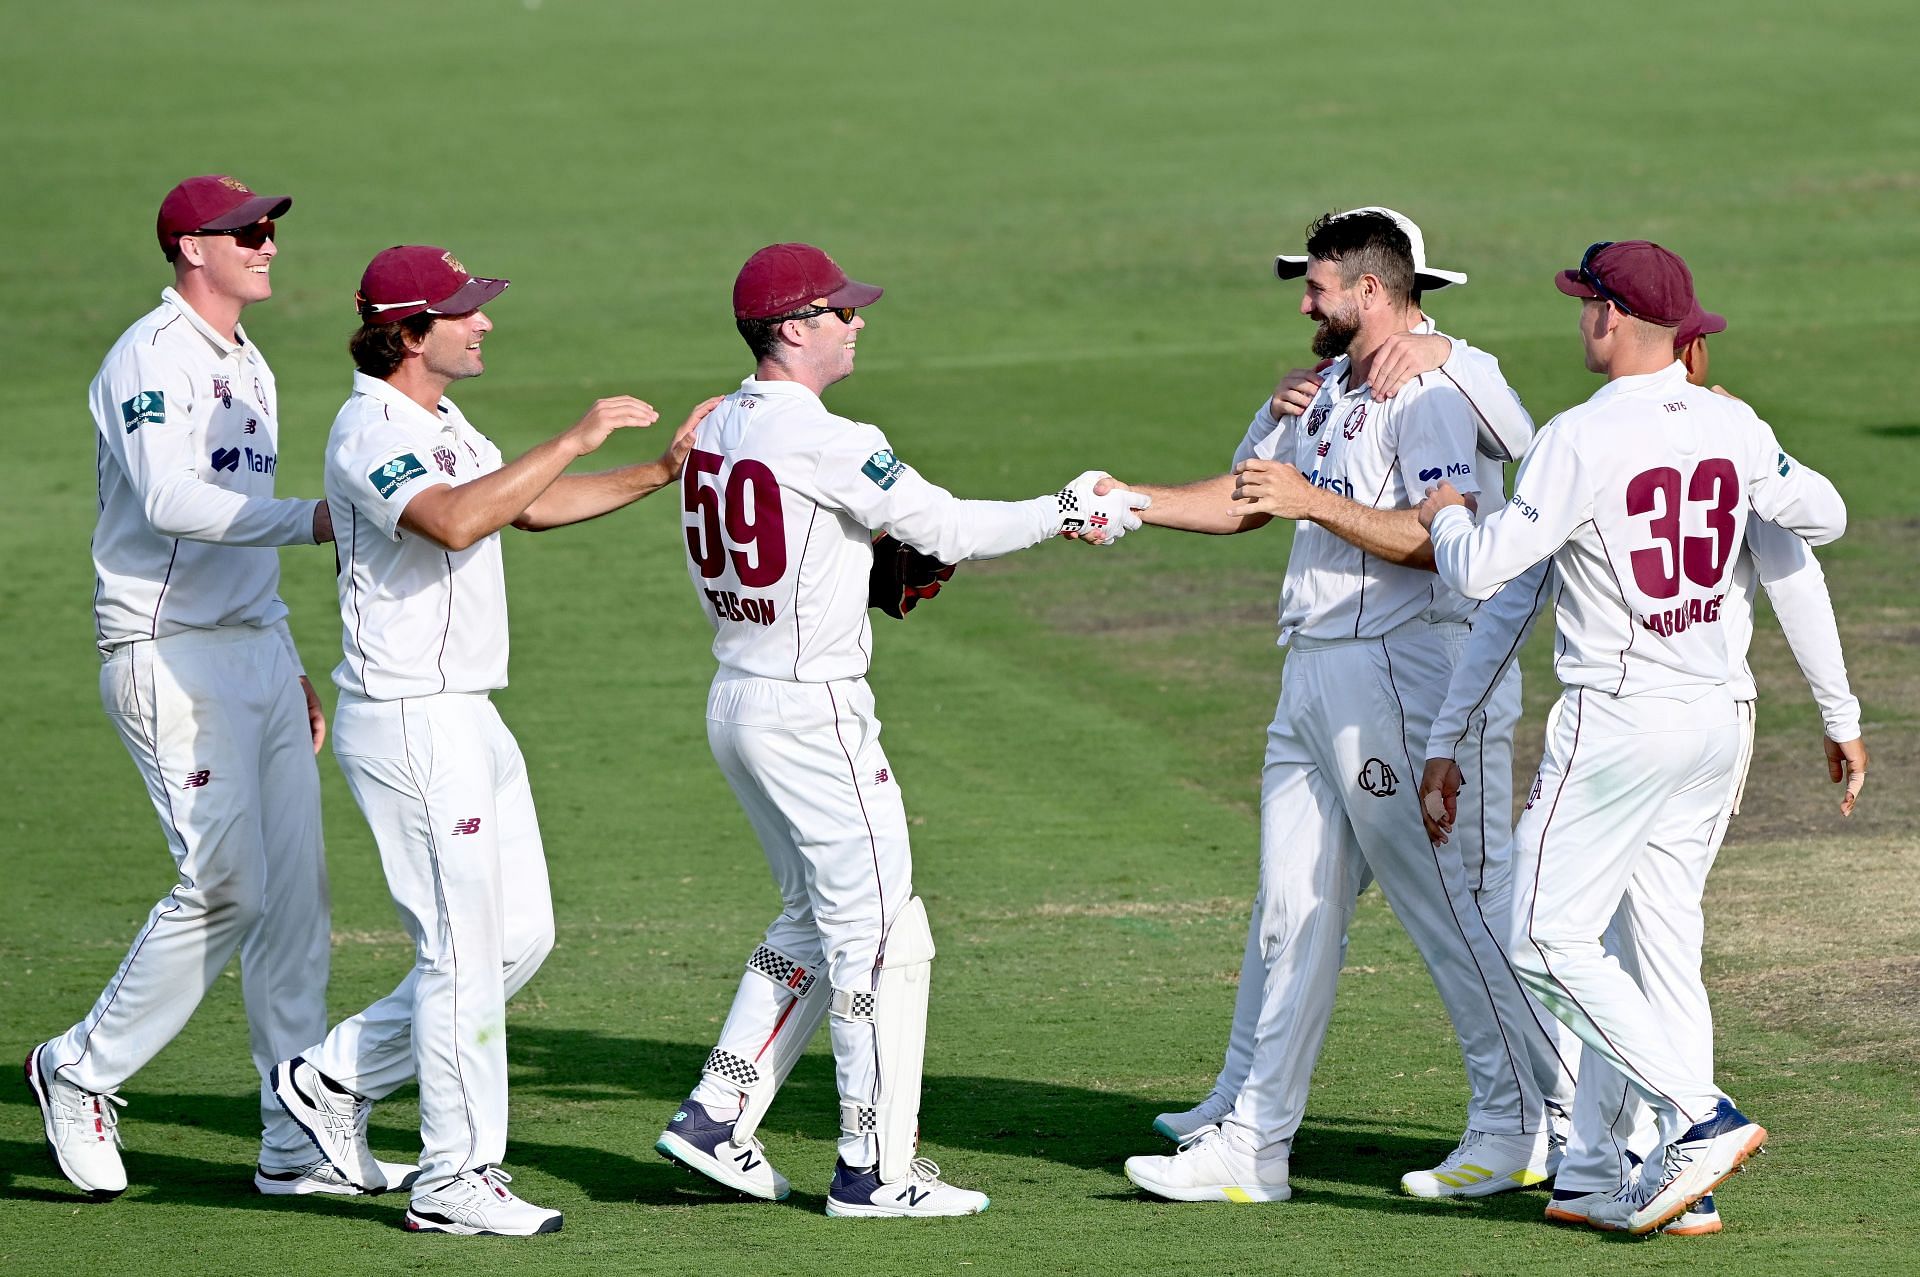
(413, 279)
(1701, 323)
(1640, 277)
(783, 278)
(214, 203)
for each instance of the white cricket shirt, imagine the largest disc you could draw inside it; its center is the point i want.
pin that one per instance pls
(1454, 424)
(782, 499)
(416, 618)
(187, 445)
(1641, 497)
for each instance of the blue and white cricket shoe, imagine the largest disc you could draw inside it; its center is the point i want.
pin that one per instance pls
(922, 1194)
(701, 1142)
(1690, 1168)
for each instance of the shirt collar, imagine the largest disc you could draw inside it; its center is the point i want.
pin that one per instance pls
(1337, 371)
(790, 389)
(172, 298)
(384, 391)
(1675, 371)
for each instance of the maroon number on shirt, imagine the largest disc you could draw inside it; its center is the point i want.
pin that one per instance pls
(749, 509)
(1715, 484)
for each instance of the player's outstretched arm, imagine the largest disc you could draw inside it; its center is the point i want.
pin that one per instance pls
(1205, 505)
(575, 498)
(457, 517)
(1277, 490)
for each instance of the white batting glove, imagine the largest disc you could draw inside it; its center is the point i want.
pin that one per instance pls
(1099, 520)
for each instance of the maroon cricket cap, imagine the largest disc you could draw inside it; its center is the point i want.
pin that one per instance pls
(213, 203)
(415, 279)
(1642, 278)
(782, 278)
(1701, 323)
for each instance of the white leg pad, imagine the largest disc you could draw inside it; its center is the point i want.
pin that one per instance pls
(897, 1010)
(759, 1079)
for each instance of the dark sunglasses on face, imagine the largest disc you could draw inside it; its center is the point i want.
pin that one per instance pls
(1593, 280)
(846, 313)
(253, 236)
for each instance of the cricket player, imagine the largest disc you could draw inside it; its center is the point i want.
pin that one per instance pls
(782, 501)
(1373, 637)
(1641, 497)
(420, 497)
(192, 631)
(1612, 1131)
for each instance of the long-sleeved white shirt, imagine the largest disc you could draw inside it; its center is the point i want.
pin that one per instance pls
(1458, 423)
(781, 501)
(1641, 498)
(187, 447)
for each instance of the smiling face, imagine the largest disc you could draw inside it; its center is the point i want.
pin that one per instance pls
(825, 345)
(230, 270)
(451, 349)
(1333, 302)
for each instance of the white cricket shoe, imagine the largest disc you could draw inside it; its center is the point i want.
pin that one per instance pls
(922, 1194)
(1569, 1206)
(83, 1131)
(1482, 1165)
(700, 1142)
(1181, 1127)
(478, 1203)
(1213, 1166)
(320, 1176)
(1700, 1219)
(1690, 1168)
(333, 1117)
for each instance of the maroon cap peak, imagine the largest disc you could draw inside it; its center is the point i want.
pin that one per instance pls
(783, 278)
(215, 202)
(1701, 323)
(414, 279)
(1641, 278)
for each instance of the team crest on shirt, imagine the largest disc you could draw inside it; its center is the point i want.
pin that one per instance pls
(223, 391)
(1318, 418)
(388, 478)
(148, 408)
(443, 457)
(883, 468)
(1356, 421)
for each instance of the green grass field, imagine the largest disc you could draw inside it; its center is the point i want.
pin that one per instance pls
(1072, 208)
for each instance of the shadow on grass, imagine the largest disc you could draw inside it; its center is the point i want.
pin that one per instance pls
(1353, 1162)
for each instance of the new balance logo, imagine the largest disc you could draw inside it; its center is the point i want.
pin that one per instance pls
(880, 777)
(746, 1160)
(196, 780)
(471, 825)
(913, 1196)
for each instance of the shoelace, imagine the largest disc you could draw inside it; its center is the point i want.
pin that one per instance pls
(925, 1170)
(84, 1109)
(1197, 1139)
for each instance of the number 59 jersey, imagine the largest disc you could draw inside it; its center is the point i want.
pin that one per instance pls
(1641, 495)
(781, 499)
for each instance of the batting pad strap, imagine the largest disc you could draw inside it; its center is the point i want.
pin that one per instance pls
(855, 1004)
(734, 1069)
(859, 1119)
(783, 969)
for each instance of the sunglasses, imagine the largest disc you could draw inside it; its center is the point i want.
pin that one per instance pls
(254, 235)
(1593, 280)
(846, 313)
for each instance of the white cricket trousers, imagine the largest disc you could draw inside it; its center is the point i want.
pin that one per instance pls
(1338, 802)
(804, 759)
(1626, 815)
(217, 724)
(1657, 935)
(442, 782)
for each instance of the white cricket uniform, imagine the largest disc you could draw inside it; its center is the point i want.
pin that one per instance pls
(190, 624)
(1641, 497)
(1372, 647)
(783, 499)
(1660, 927)
(438, 775)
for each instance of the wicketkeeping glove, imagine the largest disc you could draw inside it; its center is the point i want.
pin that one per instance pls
(1112, 515)
(902, 577)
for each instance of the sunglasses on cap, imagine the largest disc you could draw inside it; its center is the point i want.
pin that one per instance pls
(254, 235)
(1593, 280)
(846, 313)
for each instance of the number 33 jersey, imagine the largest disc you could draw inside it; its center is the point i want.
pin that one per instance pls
(780, 501)
(1641, 495)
